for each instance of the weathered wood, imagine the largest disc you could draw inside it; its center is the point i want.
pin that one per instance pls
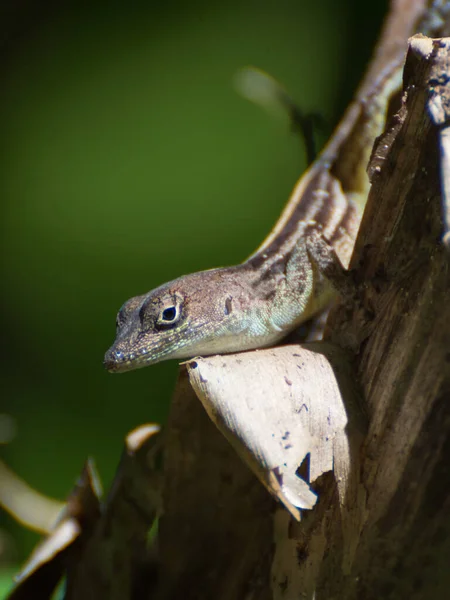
(283, 409)
(114, 551)
(403, 361)
(48, 562)
(102, 549)
(215, 535)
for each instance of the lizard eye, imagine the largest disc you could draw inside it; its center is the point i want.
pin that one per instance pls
(169, 316)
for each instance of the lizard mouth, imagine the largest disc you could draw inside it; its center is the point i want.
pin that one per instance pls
(116, 361)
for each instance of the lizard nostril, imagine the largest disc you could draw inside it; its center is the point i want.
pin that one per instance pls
(112, 359)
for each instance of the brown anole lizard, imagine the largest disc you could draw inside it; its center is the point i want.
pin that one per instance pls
(298, 268)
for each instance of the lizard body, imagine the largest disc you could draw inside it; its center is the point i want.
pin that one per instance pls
(286, 281)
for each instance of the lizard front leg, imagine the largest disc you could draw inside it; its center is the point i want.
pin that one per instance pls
(325, 259)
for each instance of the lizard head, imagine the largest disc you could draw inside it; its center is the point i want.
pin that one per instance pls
(195, 314)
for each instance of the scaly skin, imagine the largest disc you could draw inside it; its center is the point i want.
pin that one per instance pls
(211, 312)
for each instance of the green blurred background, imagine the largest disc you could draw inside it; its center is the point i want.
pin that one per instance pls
(128, 160)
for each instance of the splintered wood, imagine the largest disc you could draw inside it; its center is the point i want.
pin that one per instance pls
(99, 547)
(281, 409)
